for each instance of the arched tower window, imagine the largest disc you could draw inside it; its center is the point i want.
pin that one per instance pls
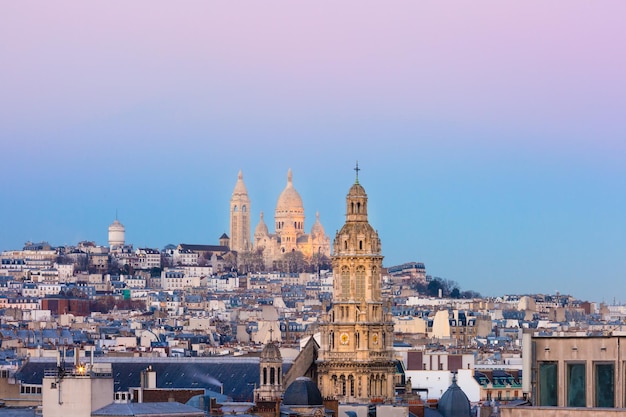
(345, 282)
(243, 208)
(272, 376)
(360, 245)
(360, 282)
(374, 282)
(264, 376)
(235, 209)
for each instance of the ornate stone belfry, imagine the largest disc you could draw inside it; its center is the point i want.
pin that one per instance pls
(271, 374)
(355, 362)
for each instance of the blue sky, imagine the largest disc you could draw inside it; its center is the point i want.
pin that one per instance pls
(491, 138)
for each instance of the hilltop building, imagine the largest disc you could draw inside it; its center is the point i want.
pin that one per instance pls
(356, 362)
(240, 217)
(117, 234)
(289, 233)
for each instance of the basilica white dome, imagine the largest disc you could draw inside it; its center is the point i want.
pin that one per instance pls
(289, 201)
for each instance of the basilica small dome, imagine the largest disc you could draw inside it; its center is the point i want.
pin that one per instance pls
(303, 392)
(289, 200)
(317, 229)
(261, 228)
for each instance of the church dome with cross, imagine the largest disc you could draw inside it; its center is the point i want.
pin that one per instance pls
(289, 231)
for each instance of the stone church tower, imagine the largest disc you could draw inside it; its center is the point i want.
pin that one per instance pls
(355, 362)
(240, 217)
(270, 387)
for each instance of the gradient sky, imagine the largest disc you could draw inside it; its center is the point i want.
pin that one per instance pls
(491, 135)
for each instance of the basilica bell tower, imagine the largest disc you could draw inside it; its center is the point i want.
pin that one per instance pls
(240, 217)
(355, 362)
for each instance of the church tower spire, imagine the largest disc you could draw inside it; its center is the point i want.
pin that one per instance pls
(240, 217)
(355, 362)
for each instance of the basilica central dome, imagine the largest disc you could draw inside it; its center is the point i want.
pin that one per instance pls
(289, 201)
(289, 216)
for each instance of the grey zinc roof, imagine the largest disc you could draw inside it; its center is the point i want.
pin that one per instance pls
(148, 409)
(237, 375)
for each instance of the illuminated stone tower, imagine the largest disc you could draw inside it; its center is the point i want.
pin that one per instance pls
(240, 217)
(355, 362)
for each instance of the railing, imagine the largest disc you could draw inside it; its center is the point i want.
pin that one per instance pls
(381, 355)
(77, 371)
(351, 355)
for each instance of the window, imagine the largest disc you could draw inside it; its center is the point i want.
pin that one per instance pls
(548, 383)
(345, 282)
(360, 282)
(576, 390)
(605, 385)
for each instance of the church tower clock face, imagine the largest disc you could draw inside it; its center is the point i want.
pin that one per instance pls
(375, 338)
(344, 338)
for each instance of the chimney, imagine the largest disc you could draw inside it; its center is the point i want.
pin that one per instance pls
(148, 378)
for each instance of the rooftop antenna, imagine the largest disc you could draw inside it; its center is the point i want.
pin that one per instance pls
(357, 169)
